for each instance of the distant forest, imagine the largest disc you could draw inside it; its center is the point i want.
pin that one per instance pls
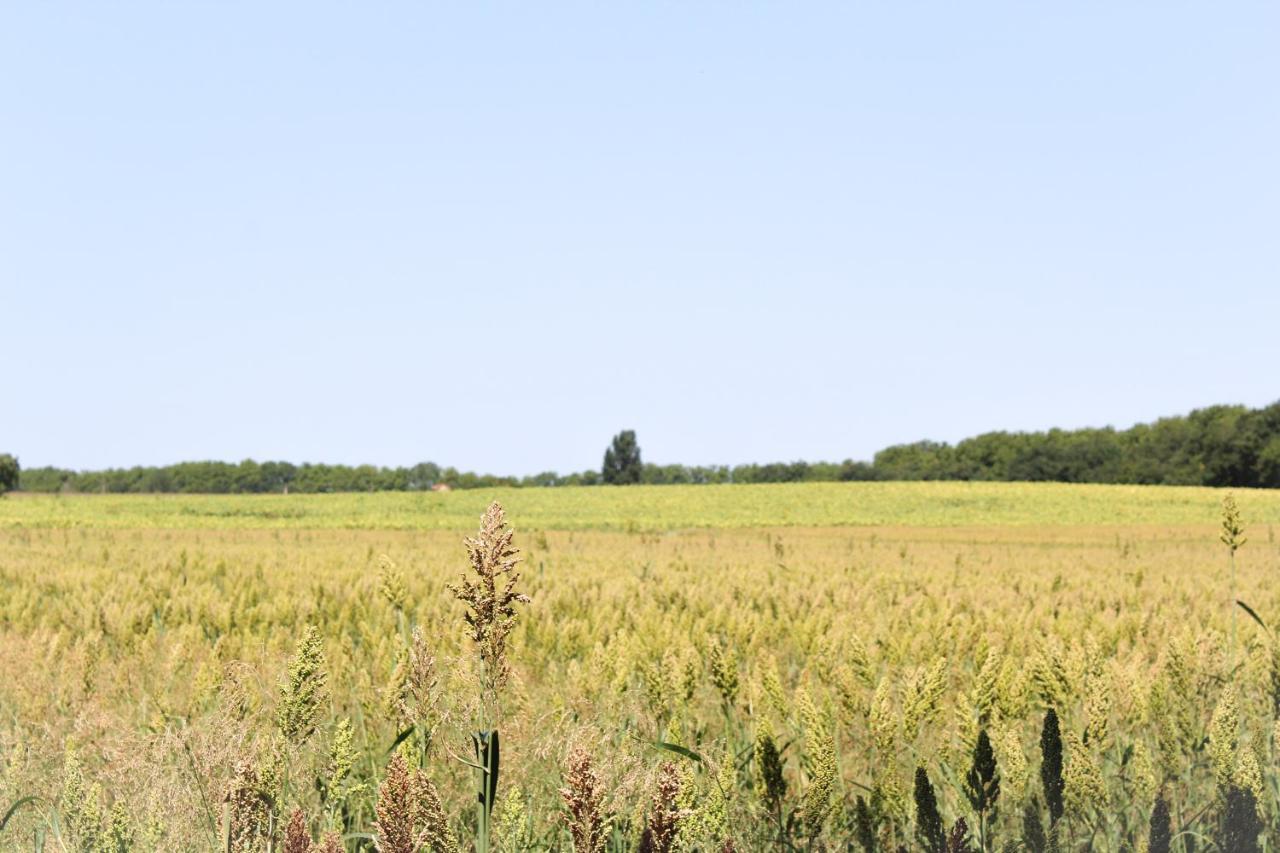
(1215, 446)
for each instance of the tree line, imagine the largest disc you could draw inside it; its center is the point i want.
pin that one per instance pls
(250, 477)
(1215, 446)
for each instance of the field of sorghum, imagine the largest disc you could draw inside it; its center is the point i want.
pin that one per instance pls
(975, 667)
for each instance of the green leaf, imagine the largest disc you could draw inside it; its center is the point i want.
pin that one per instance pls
(400, 738)
(13, 808)
(679, 750)
(486, 747)
(1256, 618)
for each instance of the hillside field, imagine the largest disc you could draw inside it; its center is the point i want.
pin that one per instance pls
(812, 645)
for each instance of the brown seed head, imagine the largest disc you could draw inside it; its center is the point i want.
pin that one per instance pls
(583, 804)
(296, 837)
(394, 813)
(490, 595)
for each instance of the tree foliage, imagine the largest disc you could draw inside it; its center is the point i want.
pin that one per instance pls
(1217, 446)
(9, 473)
(622, 466)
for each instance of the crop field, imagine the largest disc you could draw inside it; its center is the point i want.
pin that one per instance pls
(871, 666)
(657, 508)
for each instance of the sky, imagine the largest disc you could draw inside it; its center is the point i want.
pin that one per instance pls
(492, 235)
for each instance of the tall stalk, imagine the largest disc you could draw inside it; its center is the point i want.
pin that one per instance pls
(489, 592)
(1233, 537)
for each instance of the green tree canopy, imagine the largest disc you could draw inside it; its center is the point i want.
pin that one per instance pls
(1214, 446)
(622, 464)
(9, 472)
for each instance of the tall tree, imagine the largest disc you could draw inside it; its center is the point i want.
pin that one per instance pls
(9, 472)
(622, 460)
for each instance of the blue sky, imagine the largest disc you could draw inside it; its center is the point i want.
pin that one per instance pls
(491, 235)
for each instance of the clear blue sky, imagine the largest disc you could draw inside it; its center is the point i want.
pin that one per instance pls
(491, 235)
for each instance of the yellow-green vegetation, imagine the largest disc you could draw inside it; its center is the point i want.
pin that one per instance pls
(739, 668)
(657, 508)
